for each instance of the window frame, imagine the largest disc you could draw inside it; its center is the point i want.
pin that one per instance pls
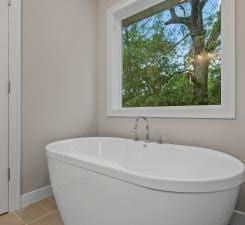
(126, 8)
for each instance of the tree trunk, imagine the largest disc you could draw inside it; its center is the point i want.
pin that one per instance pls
(201, 60)
(201, 65)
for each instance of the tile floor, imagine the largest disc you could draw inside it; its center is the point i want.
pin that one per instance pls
(42, 213)
(45, 212)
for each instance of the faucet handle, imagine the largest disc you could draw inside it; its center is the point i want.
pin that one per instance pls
(159, 140)
(161, 137)
(135, 133)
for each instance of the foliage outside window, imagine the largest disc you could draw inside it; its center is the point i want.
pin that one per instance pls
(171, 55)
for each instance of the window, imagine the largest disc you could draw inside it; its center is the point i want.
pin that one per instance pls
(172, 58)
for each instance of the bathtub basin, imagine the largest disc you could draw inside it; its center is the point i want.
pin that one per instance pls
(114, 181)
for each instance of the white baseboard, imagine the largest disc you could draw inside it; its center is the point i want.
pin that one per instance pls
(36, 196)
(239, 212)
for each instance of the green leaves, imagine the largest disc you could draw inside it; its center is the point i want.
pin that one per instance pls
(158, 67)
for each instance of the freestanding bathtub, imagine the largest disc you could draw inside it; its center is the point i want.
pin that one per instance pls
(113, 181)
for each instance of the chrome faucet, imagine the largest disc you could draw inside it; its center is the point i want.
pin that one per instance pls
(147, 138)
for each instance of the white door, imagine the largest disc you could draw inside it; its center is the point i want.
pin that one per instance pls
(3, 106)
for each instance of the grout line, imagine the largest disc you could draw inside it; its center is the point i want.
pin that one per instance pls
(42, 217)
(22, 221)
(39, 218)
(43, 207)
(51, 199)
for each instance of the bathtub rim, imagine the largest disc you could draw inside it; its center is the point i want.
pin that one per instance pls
(152, 182)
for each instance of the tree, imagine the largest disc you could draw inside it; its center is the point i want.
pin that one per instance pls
(168, 57)
(145, 57)
(201, 46)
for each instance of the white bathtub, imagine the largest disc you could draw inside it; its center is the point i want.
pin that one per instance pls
(113, 181)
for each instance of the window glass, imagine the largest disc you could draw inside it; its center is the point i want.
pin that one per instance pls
(171, 55)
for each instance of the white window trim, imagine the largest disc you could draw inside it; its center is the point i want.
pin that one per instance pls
(15, 104)
(127, 8)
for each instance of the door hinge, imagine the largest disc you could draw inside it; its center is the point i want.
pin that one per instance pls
(9, 174)
(9, 87)
(9, 2)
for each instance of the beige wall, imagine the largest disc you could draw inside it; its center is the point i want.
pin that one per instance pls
(225, 135)
(58, 47)
(59, 91)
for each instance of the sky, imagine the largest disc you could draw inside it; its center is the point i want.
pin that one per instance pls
(182, 49)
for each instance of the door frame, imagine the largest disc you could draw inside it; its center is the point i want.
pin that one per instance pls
(14, 104)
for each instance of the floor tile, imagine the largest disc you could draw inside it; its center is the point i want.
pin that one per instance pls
(53, 219)
(48, 204)
(32, 212)
(52, 198)
(10, 219)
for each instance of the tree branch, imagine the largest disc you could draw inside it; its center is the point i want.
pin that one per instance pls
(178, 20)
(203, 3)
(214, 35)
(173, 47)
(169, 77)
(183, 9)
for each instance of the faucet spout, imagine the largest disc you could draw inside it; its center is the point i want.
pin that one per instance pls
(147, 138)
